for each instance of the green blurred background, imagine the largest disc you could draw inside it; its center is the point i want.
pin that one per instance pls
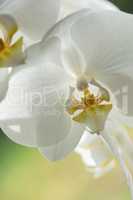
(26, 175)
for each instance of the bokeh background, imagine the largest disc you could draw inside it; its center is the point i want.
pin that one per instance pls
(26, 175)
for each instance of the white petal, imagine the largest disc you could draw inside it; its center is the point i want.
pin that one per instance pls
(8, 26)
(66, 146)
(123, 119)
(44, 130)
(68, 6)
(116, 126)
(34, 102)
(107, 47)
(93, 151)
(87, 139)
(50, 51)
(70, 55)
(120, 153)
(34, 18)
(72, 59)
(101, 171)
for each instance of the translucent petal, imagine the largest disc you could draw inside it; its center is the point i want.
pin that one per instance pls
(103, 170)
(117, 127)
(49, 51)
(8, 26)
(43, 130)
(93, 151)
(66, 146)
(120, 153)
(72, 59)
(105, 49)
(35, 102)
(70, 55)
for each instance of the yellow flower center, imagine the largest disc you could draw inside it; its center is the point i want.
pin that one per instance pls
(90, 109)
(10, 53)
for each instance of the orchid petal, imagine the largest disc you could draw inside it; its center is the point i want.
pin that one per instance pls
(68, 6)
(120, 154)
(72, 59)
(118, 125)
(96, 32)
(66, 146)
(8, 26)
(103, 170)
(93, 151)
(40, 53)
(36, 95)
(43, 130)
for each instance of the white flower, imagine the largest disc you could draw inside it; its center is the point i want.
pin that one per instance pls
(100, 54)
(35, 18)
(81, 62)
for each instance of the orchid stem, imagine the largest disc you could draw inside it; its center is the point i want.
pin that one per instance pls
(116, 150)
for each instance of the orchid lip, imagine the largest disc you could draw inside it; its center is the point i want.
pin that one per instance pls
(89, 108)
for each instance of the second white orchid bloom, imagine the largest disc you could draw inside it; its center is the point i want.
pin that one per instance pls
(98, 55)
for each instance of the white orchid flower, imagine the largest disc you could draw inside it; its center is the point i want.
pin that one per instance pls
(67, 87)
(98, 55)
(35, 19)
